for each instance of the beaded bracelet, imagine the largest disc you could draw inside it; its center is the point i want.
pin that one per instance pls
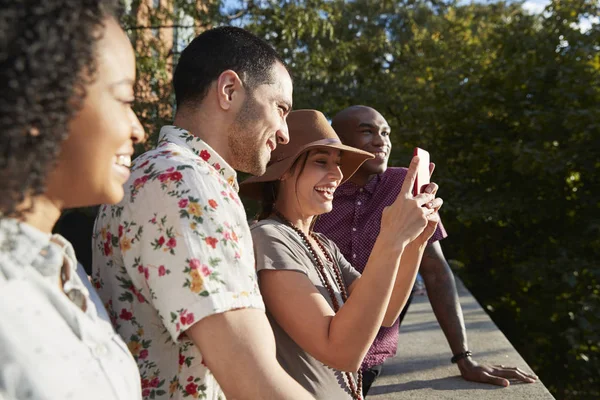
(460, 356)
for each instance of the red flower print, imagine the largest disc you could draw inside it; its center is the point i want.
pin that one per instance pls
(171, 169)
(141, 269)
(191, 388)
(212, 203)
(176, 176)
(142, 165)
(191, 378)
(108, 236)
(217, 166)
(120, 230)
(161, 241)
(139, 182)
(141, 298)
(143, 355)
(211, 241)
(194, 263)
(171, 243)
(181, 359)
(154, 382)
(145, 383)
(163, 177)
(183, 203)
(162, 270)
(107, 248)
(146, 392)
(146, 273)
(205, 270)
(187, 318)
(205, 155)
(125, 315)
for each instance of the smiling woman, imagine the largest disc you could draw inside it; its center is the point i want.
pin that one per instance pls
(67, 72)
(303, 277)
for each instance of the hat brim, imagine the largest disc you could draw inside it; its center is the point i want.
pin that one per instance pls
(351, 160)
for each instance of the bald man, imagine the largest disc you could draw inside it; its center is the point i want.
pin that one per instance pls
(354, 224)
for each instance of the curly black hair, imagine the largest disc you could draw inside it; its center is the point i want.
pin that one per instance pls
(47, 58)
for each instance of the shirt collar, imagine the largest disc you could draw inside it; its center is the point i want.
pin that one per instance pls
(183, 138)
(24, 245)
(349, 188)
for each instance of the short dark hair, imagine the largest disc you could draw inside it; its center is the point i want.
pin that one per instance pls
(47, 59)
(218, 50)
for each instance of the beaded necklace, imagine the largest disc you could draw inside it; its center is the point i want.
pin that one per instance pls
(356, 389)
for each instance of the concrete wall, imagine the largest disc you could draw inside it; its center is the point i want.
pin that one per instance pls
(422, 368)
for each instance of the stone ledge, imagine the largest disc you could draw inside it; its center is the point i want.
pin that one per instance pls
(422, 369)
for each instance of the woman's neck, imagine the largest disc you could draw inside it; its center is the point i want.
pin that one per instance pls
(295, 217)
(43, 215)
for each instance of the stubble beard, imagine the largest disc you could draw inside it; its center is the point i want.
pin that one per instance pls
(246, 149)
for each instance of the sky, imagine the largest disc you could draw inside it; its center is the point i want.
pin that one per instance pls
(537, 7)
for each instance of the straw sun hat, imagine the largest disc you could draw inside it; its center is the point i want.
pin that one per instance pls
(308, 130)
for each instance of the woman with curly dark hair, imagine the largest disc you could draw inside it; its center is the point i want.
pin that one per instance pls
(66, 139)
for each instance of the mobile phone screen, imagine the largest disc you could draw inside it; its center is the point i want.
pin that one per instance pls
(422, 170)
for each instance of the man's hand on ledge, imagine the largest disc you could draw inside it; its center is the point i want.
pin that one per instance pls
(492, 374)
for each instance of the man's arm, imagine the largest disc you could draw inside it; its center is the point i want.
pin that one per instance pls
(239, 349)
(441, 290)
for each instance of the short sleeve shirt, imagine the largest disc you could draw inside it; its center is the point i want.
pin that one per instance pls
(176, 250)
(354, 224)
(53, 344)
(279, 247)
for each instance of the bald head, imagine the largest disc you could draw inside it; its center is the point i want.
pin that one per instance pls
(344, 121)
(365, 128)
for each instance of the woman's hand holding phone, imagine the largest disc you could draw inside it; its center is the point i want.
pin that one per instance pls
(433, 218)
(410, 216)
(423, 185)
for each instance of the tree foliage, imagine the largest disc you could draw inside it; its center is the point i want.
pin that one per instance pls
(508, 104)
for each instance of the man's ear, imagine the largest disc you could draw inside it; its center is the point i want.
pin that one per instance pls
(229, 89)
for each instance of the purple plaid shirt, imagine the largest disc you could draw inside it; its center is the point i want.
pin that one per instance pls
(354, 225)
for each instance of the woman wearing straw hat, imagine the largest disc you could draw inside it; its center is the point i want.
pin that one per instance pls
(324, 314)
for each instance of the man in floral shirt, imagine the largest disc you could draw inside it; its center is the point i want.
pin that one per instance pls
(173, 262)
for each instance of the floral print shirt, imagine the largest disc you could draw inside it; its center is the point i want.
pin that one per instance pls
(53, 344)
(175, 250)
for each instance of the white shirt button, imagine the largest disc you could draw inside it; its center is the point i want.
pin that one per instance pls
(100, 350)
(358, 203)
(353, 255)
(353, 229)
(360, 190)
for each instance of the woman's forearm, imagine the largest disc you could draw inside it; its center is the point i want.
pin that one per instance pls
(354, 327)
(405, 279)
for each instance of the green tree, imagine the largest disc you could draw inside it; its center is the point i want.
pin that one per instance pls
(507, 103)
